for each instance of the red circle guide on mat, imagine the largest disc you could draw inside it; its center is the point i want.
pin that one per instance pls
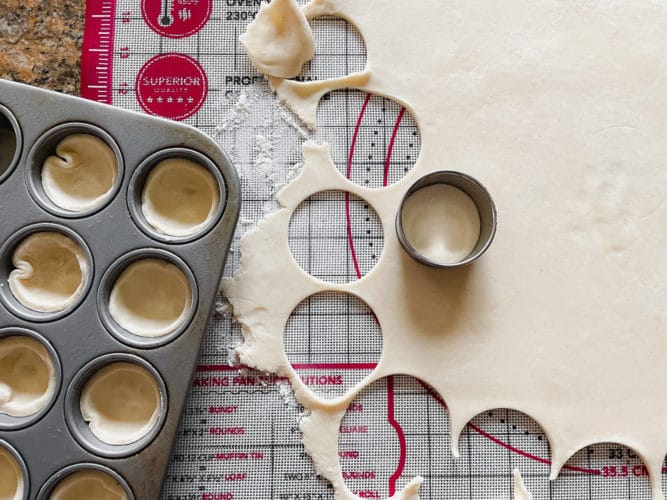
(176, 18)
(172, 85)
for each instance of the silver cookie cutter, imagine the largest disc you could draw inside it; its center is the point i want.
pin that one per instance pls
(480, 196)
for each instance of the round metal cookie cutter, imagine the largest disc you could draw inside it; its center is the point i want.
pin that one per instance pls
(486, 209)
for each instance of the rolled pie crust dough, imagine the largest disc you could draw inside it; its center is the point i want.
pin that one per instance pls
(27, 376)
(50, 271)
(441, 222)
(560, 110)
(88, 484)
(11, 476)
(180, 197)
(151, 298)
(121, 403)
(82, 174)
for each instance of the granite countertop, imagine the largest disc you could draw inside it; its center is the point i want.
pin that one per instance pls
(40, 42)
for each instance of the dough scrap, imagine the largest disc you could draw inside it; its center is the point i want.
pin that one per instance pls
(82, 175)
(560, 111)
(441, 222)
(180, 197)
(121, 402)
(11, 476)
(151, 298)
(50, 271)
(27, 376)
(279, 41)
(88, 484)
(520, 490)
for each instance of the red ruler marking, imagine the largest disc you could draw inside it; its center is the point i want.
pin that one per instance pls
(97, 51)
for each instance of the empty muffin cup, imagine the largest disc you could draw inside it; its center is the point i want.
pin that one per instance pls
(50, 273)
(13, 474)
(86, 481)
(74, 169)
(177, 195)
(116, 405)
(446, 219)
(10, 142)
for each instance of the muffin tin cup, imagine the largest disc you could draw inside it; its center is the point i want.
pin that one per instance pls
(7, 422)
(10, 135)
(46, 146)
(22, 466)
(109, 279)
(48, 487)
(80, 428)
(138, 181)
(10, 301)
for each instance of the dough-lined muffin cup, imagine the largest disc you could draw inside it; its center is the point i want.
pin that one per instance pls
(176, 195)
(116, 405)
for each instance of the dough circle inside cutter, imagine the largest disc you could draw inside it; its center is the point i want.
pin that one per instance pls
(88, 484)
(27, 376)
(82, 174)
(151, 298)
(121, 403)
(11, 476)
(180, 197)
(50, 271)
(441, 222)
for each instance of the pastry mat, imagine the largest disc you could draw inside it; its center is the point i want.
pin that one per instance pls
(239, 438)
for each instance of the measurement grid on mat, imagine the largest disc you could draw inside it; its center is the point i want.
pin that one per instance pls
(239, 437)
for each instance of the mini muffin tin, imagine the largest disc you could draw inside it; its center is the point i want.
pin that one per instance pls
(84, 337)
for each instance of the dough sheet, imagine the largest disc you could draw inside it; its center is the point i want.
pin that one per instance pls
(11, 476)
(88, 484)
(82, 174)
(27, 376)
(180, 197)
(50, 272)
(151, 298)
(121, 403)
(559, 110)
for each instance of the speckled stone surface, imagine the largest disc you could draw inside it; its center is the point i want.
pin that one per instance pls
(40, 42)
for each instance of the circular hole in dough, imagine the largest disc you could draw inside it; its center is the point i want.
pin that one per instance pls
(11, 476)
(121, 403)
(336, 236)
(180, 197)
(441, 222)
(82, 174)
(317, 321)
(50, 271)
(27, 376)
(88, 484)
(385, 152)
(151, 298)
